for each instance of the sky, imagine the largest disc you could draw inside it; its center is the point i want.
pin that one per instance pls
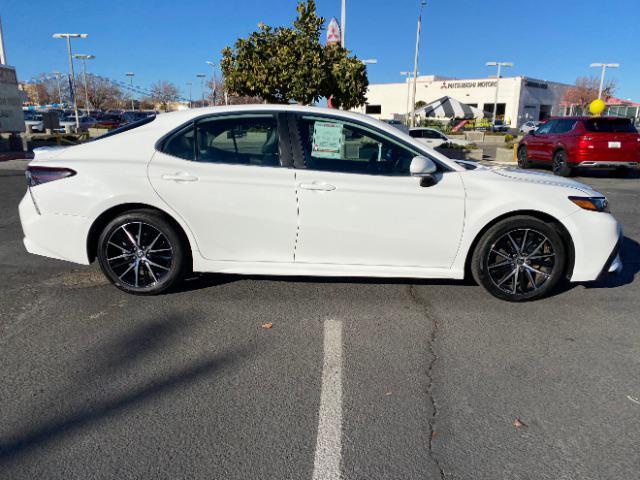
(552, 40)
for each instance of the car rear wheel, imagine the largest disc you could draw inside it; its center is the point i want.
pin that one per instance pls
(560, 165)
(523, 161)
(520, 258)
(141, 253)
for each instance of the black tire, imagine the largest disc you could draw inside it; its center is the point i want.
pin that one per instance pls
(526, 232)
(523, 160)
(560, 165)
(163, 260)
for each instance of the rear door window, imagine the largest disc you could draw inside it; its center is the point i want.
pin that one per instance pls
(246, 140)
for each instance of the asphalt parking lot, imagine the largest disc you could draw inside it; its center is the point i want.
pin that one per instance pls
(379, 379)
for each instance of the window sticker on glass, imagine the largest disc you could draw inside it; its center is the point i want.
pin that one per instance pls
(327, 140)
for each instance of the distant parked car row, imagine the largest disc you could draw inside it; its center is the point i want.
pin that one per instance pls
(95, 119)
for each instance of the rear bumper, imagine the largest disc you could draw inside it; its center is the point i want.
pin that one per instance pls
(56, 236)
(607, 164)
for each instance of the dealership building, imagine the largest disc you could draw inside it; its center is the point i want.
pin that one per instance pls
(519, 98)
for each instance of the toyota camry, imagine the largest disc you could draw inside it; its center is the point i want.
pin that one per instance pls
(294, 190)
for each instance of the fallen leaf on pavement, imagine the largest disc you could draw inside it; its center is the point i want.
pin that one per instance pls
(267, 325)
(519, 423)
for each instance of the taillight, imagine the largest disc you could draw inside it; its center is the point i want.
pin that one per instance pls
(39, 175)
(585, 141)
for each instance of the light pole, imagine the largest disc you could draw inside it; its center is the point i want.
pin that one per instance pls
(189, 84)
(201, 76)
(408, 75)
(423, 3)
(58, 74)
(215, 87)
(69, 36)
(495, 99)
(84, 59)
(368, 61)
(604, 67)
(343, 22)
(131, 75)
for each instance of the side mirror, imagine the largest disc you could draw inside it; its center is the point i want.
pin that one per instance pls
(425, 169)
(422, 167)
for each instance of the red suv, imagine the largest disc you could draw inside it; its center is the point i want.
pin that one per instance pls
(582, 142)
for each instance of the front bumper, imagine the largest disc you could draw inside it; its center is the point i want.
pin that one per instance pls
(614, 263)
(62, 237)
(596, 240)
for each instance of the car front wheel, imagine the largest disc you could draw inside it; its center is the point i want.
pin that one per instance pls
(520, 258)
(141, 253)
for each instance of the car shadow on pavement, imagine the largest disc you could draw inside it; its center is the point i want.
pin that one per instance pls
(630, 258)
(126, 351)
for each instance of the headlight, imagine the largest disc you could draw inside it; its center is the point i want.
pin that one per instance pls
(595, 204)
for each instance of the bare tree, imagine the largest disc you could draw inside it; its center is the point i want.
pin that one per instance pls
(586, 90)
(216, 91)
(103, 94)
(163, 92)
(44, 90)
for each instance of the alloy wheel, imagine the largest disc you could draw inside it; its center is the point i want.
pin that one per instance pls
(558, 162)
(139, 254)
(521, 261)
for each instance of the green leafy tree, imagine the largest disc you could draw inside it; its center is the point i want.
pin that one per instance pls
(285, 64)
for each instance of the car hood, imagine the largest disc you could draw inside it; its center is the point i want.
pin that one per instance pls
(542, 178)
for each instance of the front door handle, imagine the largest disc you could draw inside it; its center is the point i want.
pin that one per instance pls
(180, 177)
(322, 187)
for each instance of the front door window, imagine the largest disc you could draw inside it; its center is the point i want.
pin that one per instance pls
(336, 146)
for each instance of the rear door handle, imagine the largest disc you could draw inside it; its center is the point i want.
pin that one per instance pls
(180, 177)
(323, 187)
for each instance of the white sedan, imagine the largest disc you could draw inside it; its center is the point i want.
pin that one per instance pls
(530, 126)
(294, 190)
(434, 138)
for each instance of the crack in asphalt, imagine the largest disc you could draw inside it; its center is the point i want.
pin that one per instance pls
(424, 306)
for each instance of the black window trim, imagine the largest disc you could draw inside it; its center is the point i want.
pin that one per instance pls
(299, 155)
(286, 156)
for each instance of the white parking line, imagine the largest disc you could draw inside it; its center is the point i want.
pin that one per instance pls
(329, 441)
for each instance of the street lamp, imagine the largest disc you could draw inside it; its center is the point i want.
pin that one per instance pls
(84, 59)
(604, 67)
(189, 84)
(213, 67)
(495, 100)
(131, 75)
(69, 36)
(58, 74)
(423, 3)
(408, 75)
(201, 76)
